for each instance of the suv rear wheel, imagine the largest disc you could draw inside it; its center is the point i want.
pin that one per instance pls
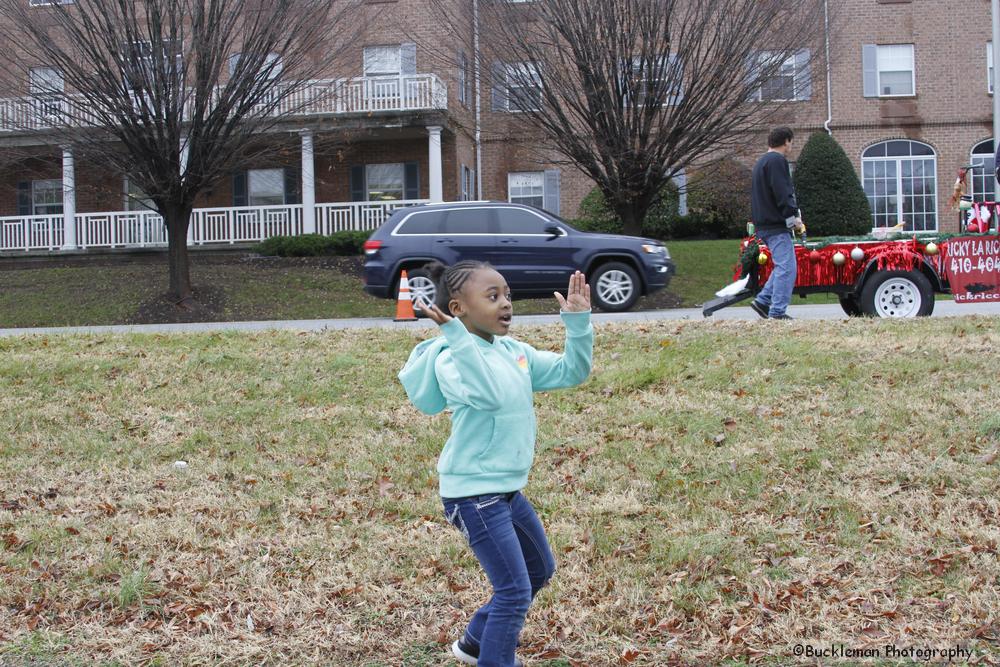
(614, 286)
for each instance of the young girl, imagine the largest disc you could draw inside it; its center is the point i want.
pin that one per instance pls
(486, 380)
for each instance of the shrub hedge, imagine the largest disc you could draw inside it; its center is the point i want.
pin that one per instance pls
(314, 245)
(831, 198)
(718, 203)
(596, 216)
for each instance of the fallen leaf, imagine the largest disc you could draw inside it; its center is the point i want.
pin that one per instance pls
(384, 486)
(628, 656)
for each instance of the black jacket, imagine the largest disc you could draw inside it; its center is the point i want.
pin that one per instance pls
(773, 202)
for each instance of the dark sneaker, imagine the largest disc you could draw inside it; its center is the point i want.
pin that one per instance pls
(781, 317)
(468, 654)
(760, 308)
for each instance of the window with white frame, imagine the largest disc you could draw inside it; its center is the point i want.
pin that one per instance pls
(46, 81)
(141, 59)
(46, 86)
(652, 74)
(900, 179)
(468, 184)
(47, 197)
(524, 87)
(381, 60)
(989, 67)
(983, 174)
(135, 198)
(783, 78)
(896, 76)
(385, 182)
(526, 187)
(271, 66)
(265, 187)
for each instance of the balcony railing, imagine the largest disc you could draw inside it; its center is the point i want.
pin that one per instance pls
(209, 226)
(366, 94)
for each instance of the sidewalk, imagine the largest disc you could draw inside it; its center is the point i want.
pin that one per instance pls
(806, 312)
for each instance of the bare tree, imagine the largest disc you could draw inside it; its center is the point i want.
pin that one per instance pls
(632, 91)
(173, 94)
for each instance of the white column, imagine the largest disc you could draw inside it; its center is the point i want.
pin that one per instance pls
(69, 201)
(434, 164)
(308, 184)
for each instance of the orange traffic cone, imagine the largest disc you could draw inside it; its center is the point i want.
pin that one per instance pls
(404, 304)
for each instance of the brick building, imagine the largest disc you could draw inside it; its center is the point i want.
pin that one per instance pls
(909, 101)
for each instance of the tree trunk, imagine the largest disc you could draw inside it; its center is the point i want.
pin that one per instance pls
(177, 221)
(630, 217)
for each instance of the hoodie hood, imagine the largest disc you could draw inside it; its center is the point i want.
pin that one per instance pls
(419, 379)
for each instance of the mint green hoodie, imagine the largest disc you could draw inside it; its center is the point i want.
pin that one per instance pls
(488, 389)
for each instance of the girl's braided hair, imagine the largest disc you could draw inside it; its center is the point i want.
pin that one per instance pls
(451, 279)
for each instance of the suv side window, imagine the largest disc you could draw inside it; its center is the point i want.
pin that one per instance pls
(518, 221)
(469, 221)
(428, 222)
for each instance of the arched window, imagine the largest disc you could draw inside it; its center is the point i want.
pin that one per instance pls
(983, 179)
(900, 179)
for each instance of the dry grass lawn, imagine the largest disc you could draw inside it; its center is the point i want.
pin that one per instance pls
(717, 493)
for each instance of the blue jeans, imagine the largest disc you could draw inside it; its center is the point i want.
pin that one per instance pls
(508, 540)
(777, 292)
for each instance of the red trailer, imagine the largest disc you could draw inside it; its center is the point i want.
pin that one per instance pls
(895, 276)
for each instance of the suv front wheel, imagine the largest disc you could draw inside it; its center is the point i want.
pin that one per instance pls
(614, 286)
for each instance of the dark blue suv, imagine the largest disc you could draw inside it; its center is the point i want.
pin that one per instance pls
(535, 251)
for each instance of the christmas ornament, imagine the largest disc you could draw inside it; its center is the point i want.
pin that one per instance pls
(762, 259)
(857, 254)
(931, 248)
(814, 256)
(839, 259)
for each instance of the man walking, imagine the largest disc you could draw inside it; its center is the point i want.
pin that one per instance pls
(775, 214)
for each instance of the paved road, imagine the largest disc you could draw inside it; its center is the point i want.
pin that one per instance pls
(811, 312)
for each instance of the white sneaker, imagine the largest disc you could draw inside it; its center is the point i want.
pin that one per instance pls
(467, 658)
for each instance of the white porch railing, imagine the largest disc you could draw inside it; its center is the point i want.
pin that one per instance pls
(209, 226)
(409, 92)
(38, 232)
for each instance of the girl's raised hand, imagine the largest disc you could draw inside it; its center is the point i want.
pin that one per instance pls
(432, 311)
(577, 295)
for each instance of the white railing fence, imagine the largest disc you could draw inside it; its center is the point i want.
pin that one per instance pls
(39, 232)
(357, 216)
(209, 226)
(408, 92)
(118, 229)
(243, 224)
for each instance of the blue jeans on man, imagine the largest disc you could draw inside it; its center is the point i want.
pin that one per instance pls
(509, 541)
(777, 292)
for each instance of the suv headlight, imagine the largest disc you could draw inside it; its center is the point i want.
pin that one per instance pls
(655, 249)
